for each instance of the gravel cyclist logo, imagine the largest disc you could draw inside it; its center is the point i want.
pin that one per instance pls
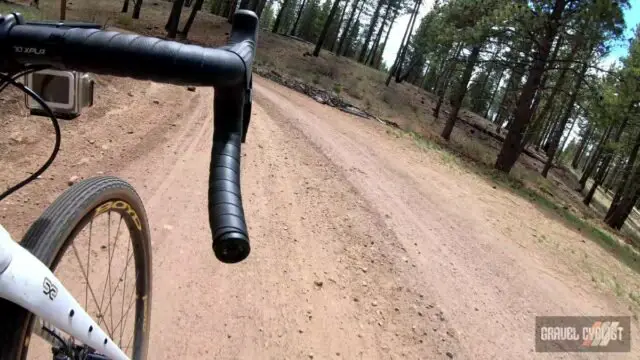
(602, 333)
(583, 334)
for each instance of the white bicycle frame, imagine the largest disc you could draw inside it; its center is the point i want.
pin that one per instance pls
(27, 282)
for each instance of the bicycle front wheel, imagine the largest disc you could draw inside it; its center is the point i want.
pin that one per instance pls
(95, 238)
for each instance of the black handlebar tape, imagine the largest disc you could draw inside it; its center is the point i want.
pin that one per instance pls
(129, 55)
(226, 216)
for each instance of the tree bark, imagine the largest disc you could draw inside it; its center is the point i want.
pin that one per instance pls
(510, 94)
(347, 27)
(194, 11)
(174, 19)
(566, 138)
(545, 78)
(612, 176)
(624, 184)
(476, 105)
(444, 79)
(493, 95)
(325, 28)
(63, 9)
(559, 82)
(626, 203)
(276, 25)
(125, 6)
(378, 59)
(376, 41)
(511, 147)
(606, 161)
(403, 53)
(372, 25)
(549, 125)
(137, 6)
(232, 10)
(540, 127)
(334, 40)
(462, 91)
(260, 7)
(295, 24)
(595, 159)
(394, 67)
(581, 146)
(559, 129)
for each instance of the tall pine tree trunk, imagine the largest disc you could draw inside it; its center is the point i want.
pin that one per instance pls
(557, 85)
(137, 6)
(493, 95)
(441, 88)
(545, 78)
(347, 27)
(404, 49)
(461, 92)
(626, 202)
(194, 11)
(559, 129)
(376, 41)
(334, 39)
(566, 138)
(295, 24)
(378, 59)
(174, 19)
(276, 25)
(325, 28)
(125, 6)
(595, 159)
(260, 7)
(369, 33)
(511, 147)
(581, 146)
(606, 161)
(396, 64)
(614, 175)
(510, 95)
(624, 182)
(63, 9)
(232, 10)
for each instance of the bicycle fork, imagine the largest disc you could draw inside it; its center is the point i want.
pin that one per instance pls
(27, 282)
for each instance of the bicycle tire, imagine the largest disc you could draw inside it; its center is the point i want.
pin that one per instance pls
(51, 234)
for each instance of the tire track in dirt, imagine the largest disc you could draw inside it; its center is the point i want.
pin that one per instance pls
(487, 284)
(322, 279)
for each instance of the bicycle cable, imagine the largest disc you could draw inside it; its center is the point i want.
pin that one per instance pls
(26, 71)
(11, 79)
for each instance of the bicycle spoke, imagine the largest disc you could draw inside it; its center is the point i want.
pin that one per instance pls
(112, 292)
(124, 287)
(84, 274)
(131, 301)
(109, 268)
(124, 349)
(110, 258)
(86, 289)
(129, 342)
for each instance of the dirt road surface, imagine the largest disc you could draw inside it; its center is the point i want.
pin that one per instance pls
(364, 245)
